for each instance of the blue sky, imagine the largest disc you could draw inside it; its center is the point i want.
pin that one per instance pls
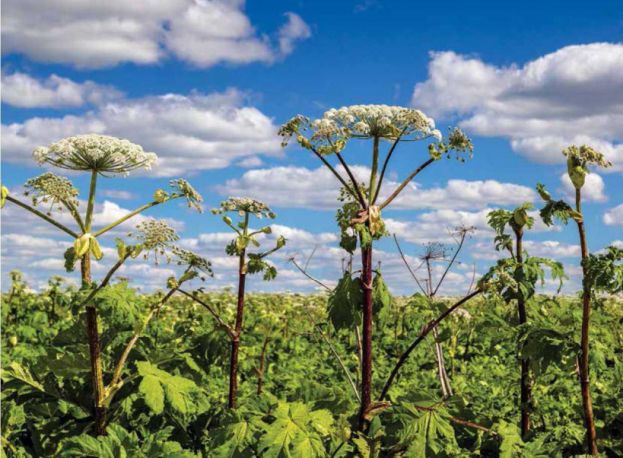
(523, 80)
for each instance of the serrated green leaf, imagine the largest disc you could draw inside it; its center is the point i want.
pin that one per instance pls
(153, 393)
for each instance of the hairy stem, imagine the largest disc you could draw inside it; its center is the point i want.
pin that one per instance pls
(587, 402)
(235, 341)
(366, 338)
(97, 380)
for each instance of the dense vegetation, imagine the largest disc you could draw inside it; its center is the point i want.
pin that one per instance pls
(104, 371)
(295, 397)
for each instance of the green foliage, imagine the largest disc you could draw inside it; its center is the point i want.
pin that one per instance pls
(173, 394)
(545, 347)
(120, 443)
(296, 431)
(344, 305)
(355, 224)
(426, 433)
(555, 209)
(605, 270)
(157, 385)
(381, 296)
(513, 280)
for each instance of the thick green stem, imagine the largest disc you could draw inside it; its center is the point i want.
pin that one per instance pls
(373, 172)
(95, 354)
(405, 182)
(42, 216)
(587, 402)
(366, 343)
(235, 341)
(91, 202)
(125, 218)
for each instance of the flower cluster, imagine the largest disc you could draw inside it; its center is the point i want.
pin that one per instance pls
(188, 258)
(381, 121)
(52, 189)
(578, 160)
(193, 198)
(329, 133)
(100, 153)
(244, 205)
(155, 235)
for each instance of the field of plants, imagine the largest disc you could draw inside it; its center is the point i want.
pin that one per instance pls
(103, 370)
(173, 402)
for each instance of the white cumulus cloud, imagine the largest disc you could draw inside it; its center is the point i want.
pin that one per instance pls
(573, 95)
(189, 132)
(103, 34)
(614, 216)
(24, 91)
(289, 186)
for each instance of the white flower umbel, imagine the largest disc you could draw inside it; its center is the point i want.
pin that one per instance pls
(244, 205)
(382, 121)
(99, 153)
(330, 133)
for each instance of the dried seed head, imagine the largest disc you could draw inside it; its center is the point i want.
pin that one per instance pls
(434, 251)
(52, 189)
(92, 152)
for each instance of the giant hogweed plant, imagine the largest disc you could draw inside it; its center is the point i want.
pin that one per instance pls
(248, 263)
(54, 386)
(98, 155)
(360, 218)
(600, 272)
(515, 279)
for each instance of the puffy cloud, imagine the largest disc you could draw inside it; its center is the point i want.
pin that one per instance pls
(573, 95)
(614, 216)
(593, 189)
(317, 188)
(551, 249)
(441, 225)
(189, 133)
(24, 91)
(104, 34)
(295, 29)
